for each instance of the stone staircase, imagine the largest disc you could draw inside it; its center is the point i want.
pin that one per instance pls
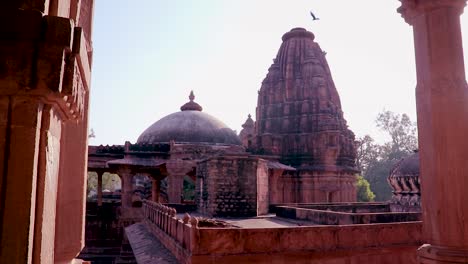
(126, 254)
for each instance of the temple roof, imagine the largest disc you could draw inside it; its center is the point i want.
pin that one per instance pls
(190, 125)
(406, 167)
(249, 123)
(299, 115)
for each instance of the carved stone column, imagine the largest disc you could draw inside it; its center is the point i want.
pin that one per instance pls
(127, 188)
(43, 87)
(155, 190)
(442, 107)
(99, 187)
(175, 183)
(175, 180)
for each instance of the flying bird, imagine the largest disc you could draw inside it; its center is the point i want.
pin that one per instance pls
(313, 16)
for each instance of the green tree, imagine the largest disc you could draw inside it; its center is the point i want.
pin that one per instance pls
(364, 192)
(368, 152)
(375, 161)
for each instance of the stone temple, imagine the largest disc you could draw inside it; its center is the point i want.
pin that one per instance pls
(299, 119)
(295, 162)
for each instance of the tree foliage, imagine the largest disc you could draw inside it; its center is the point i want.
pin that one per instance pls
(375, 161)
(364, 192)
(110, 182)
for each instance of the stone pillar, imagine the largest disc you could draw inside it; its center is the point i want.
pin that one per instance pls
(71, 204)
(176, 171)
(43, 85)
(127, 188)
(26, 179)
(175, 184)
(276, 191)
(155, 190)
(47, 182)
(442, 107)
(99, 187)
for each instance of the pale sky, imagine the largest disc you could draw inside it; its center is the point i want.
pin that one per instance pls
(149, 54)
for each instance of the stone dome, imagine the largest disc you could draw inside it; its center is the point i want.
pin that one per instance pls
(406, 167)
(406, 184)
(190, 125)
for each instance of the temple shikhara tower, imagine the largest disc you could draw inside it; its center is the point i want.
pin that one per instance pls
(299, 118)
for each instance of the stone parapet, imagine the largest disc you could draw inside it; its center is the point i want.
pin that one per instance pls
(327, 217)
(367, 243)
(177, 235)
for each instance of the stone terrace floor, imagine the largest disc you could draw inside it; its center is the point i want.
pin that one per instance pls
(270, 221)
(147, 248)
(266, 221)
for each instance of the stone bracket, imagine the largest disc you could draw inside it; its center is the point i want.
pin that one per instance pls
(44, 57)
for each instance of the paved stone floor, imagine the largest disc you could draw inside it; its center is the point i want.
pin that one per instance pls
(266, 222)
(146, 248)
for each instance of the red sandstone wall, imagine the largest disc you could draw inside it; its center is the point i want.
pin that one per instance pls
(323, 217)
(315, 187)
(318, 238)
(230, 186)
(390, 255)
(370, 243)
(263, 188)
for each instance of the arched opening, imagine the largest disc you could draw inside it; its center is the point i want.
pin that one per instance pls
(111, 187)
(142, 189)
(188, 193)
(91, 186)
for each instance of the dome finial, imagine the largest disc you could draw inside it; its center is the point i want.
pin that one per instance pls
(191, 106)
(191, 96)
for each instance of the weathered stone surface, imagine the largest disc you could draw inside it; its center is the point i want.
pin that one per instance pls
(247, 134)
(232, 186)
(146, 247)
(189, 125)
(37, 109)
(299, 118)
(406, 184)
(441, 100)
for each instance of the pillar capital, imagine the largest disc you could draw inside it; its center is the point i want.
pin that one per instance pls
(55, 67)
(411, 9)
(179, 167)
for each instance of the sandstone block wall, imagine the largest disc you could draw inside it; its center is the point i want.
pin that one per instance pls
(232, 186)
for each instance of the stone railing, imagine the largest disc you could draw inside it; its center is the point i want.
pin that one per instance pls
(190, 243)
(177, 235)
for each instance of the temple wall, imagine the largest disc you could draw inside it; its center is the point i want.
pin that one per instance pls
(316, 187)
(230, 186)
(263, 188)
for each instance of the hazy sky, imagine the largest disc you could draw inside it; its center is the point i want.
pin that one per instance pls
(149, 54)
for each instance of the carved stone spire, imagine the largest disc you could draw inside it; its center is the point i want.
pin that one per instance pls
(299, 119)
(191, 105)
(247, 133)
(299, 114)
